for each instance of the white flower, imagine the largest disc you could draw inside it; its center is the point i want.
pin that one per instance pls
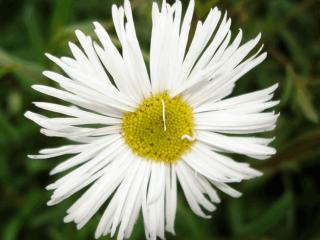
(138, 132)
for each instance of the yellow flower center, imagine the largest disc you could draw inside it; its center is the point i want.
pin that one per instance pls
(160, 129)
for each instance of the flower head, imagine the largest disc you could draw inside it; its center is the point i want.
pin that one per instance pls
(137, 133)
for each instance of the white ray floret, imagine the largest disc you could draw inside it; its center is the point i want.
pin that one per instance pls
(101, 84)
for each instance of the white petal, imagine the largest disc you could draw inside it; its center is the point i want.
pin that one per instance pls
(84, 175)
(128, 55)
(87, 44)
(206, 169)
(96, 163)
(78, 101)
(124, 191)
(104, 226)
(90, 82)
(227, 189)
(138, 202)
(134, 48)
(229, 122)
(191, 199)
(214, 44)
(75, 112)
(55, 152)
(233, 144)
(87, 93)
(223, 84)
(185, 28)
(255, 98)
(208, 189)
(240, 169)
(199, 42)
(191, 179)
(91, 151)
(86, 206)
(156, 182)
(114, 62)
(82, 132)
(160, 48)
(154, 206)
(171, 197)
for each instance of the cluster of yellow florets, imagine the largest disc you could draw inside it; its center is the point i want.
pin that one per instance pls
(144, 131)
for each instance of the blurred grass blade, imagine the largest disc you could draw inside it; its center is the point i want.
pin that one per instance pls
(61, 14)
(34, 33)
(11, 63)
(187, 223)
(12, 229)
(7, 129)
(3, 72)
(304, 100)
(277, 212)
(296, 50)
(287, 88)
(272, 216)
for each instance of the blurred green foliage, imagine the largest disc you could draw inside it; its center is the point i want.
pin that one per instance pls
(283, 204)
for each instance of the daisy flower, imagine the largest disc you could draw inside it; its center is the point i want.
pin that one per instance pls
(138, 132)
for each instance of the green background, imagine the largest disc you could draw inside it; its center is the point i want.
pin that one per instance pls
(283, 204)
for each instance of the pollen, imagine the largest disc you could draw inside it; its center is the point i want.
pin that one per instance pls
(160, 129)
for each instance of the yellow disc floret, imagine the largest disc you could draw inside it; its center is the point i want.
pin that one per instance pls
(160, 129)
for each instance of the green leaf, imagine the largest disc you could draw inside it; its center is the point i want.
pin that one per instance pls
(265, 221)
(15, 102)
(7, 129)
(34, 33)
(62, 11)
(11, 63)
(287, 88)
(12, 229)
(296, 49)
(188, 224)
(304, 100)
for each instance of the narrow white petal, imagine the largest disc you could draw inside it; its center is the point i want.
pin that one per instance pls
(185, 28)
(84, 175)
(223, 84)
(124, 191)
(95, 164)
(78, 101)
(82, 132)
(206, 169)
(156, 182)
(214, 44)
(242, 170)
(208, 189)
(86, 206)
(201, 37)
(191, 199)
(113, 61)
(104, 226)
(154, 205)
(137, 58)
(190, 177)
(227, 189)
(85, 155)
(256, 97)
(230, 122)
(76, 112)
(233, 144)
(138, 202)
(88, 93)
(171, 197)
(209, 162)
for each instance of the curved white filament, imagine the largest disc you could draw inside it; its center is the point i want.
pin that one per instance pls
(164, 115)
